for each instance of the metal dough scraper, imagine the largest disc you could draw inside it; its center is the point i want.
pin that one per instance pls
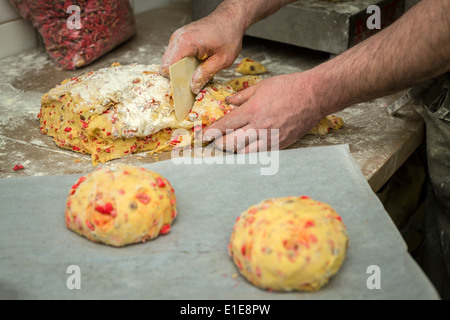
(180, 81)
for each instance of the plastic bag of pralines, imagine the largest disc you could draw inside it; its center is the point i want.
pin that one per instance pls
(75, 32)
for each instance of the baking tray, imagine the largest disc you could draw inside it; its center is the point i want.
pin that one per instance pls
(192, 262)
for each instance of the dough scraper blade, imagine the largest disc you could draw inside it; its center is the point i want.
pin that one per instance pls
(180, 81)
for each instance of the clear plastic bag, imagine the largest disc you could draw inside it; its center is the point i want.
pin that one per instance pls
(76, 33)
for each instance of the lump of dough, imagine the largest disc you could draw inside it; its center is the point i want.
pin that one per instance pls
(249, 66)
(290, 243)
(121, 205)
(124, 109)
(326, 124)
(244, 82)
(210, 104)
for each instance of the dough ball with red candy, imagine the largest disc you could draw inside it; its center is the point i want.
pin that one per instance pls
(121, 205)
(249, 66)
(290, 243)
(241, 83)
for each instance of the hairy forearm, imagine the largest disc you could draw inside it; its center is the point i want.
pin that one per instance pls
(413, 49)
(247, 12)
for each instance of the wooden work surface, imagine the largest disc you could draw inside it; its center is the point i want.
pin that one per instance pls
(378, 142)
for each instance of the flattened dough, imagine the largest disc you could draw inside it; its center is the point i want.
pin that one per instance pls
(290, 243)
(121, 205)
(120, 110)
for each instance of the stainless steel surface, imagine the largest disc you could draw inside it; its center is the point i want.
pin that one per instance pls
(326, 26)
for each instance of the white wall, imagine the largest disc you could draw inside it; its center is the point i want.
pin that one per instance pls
(17, 35)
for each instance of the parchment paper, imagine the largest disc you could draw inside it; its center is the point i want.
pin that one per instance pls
(192, 262)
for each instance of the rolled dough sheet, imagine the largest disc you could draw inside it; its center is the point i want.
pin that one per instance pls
(192, 261)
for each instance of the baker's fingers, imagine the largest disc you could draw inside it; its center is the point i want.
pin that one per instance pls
(254, 146)
(260, 145)
(206, 70)
(237, 139)
(268, 140)
(240, 97)
(236, 119)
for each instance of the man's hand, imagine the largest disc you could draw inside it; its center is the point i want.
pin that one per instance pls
(286, 103)
(413, 49)
(215, 40)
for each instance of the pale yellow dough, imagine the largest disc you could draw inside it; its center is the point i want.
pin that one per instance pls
(250, 67)
(113, 112)
(290, 243)
(330, 122)
(241, 83)
(121, 205)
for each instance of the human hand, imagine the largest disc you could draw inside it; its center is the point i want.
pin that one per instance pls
(216, 40)
(286, 103)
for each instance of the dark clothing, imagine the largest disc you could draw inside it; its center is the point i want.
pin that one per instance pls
(432, 102)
